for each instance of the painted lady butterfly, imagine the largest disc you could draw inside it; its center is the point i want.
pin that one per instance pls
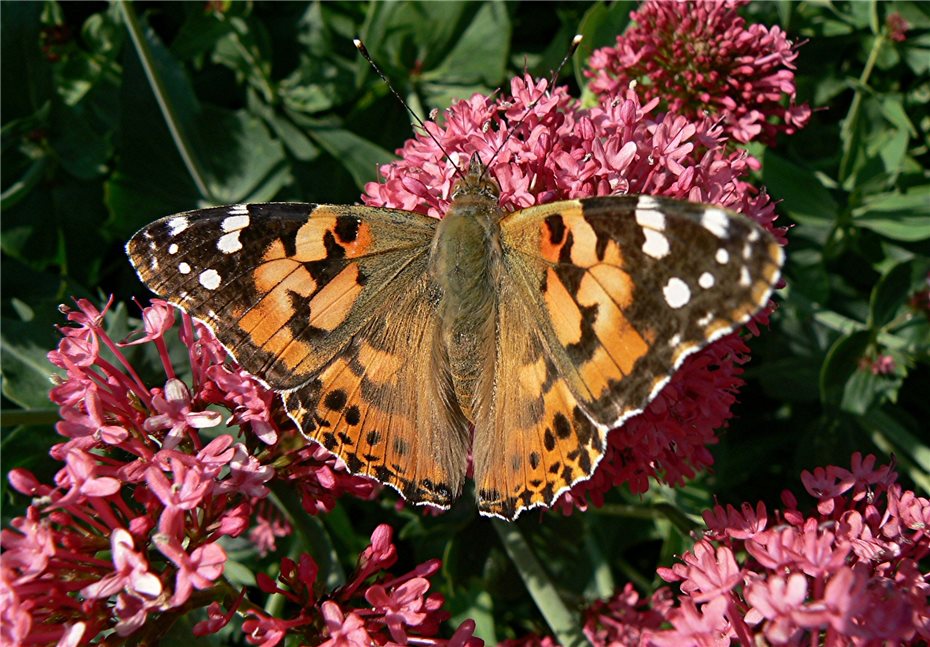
(391, 335)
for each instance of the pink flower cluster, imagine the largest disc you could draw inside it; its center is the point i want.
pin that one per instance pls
(699, 57)
(551, 148)
(392, 610)
(132, 527)
(852, 573)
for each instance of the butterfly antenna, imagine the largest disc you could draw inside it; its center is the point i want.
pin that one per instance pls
(576, 41)
(364, 52)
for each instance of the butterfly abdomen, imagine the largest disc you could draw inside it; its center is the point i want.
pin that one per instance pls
(466, 262)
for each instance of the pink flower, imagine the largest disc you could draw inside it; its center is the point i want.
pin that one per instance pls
(198, 570)
(246, 474)
(625, 618)
(344, 631)
(267, 529)
(175, 414)
(28, 547)
(131, 572)
(776, 600)
(843, 576)
(897, 27)
(883, 365)
(742, 524)
(82, 476)
(124, 486)
(179, 497)
(402, 606)
(699, 57)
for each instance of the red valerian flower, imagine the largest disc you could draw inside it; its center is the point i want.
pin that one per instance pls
(140, 478)
(700, 57)
(391, 611)
(548, 147)
(848, 574)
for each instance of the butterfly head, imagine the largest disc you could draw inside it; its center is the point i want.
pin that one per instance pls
(476, 182)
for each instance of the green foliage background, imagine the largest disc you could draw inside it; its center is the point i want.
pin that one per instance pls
(114, 115)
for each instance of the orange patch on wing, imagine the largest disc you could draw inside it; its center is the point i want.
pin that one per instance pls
(616, 283)
(715, 327)
(380, 366)
(593, 374)
(531, 378)
(622, 342)
(330, 306)
(274, 310)
(563, 311)
(549, 250)
(310, 241)
(759, 290)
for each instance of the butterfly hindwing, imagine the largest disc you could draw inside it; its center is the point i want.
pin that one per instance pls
(385, 404)
(284, 286)
(531, 437)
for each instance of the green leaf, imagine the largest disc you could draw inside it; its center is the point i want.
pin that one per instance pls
(844, 359)
(242, 162)
(791, 379)
(803, 197)
(563, 622)
(27, 373)
(480, 52)
(890, 295)
(904, 217)
(359, 156)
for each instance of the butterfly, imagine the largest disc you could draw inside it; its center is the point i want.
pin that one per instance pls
(399, 342)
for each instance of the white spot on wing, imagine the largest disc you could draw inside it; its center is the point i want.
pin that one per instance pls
(177, 225)
(747, 251)
(234, 223)
(723, 256)
(675, 340)
(716, 222)
(744, 279)
(651, 218)
(655, 245)
(184, 268)
(706, 280)
(210, 279)
(706, 319)
(676, 293)
(172, 248)
(229, 243)
(239, 210)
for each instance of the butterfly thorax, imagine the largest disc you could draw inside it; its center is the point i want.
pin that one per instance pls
(466, 264)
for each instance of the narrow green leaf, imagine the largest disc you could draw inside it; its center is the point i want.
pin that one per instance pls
(147, 46)
(564, 623)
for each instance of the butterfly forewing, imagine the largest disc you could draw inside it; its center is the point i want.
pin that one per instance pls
(284, 286)
(627, 287)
